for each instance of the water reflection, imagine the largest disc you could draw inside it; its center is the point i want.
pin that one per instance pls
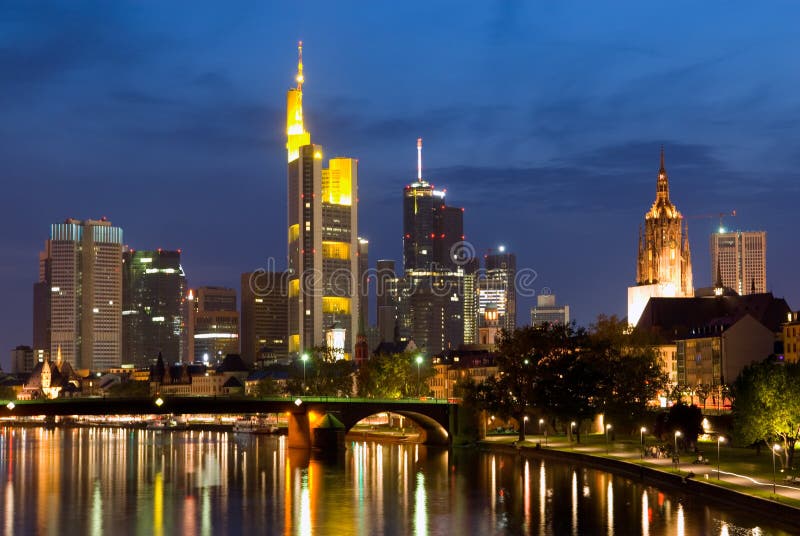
(97, 481)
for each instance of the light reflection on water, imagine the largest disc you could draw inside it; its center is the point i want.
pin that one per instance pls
(100, 481)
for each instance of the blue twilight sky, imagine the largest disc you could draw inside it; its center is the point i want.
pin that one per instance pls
(542, 118)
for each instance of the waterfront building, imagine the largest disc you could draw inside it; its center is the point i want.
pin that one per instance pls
(322, 236)
(265, 321)
(546, 311)
(740, 259)
(664, 263)
(82, 266)
(153, 291)
(215, 324)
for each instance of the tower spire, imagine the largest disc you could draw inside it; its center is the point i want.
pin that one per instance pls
(300, 67)
(662, 186)
(419, 159)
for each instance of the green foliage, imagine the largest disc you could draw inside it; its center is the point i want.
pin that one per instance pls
(680, 418)
(394, 376)
(324, 375)
(573, 374)
(266, 387)
(7, 393)
(766, 406)
(129, 389)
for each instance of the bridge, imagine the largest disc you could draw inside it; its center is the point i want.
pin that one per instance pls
(440, 421)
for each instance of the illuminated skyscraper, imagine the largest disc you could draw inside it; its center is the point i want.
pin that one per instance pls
(497, 288)
(741, 259)
(664, 263)
(84, 259)
(153, 289)
(431, 229)
(323, 236)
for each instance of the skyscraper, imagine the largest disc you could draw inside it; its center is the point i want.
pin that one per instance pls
(431, 229)
(664, 263)
(430, 296)
(265, 323)
(215, 328)
(740, 257)
(546, 311)
(363, 283)
(323, 236)
(497, 288)
(84, 259)
(153, 290)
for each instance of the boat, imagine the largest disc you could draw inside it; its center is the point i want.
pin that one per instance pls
(253, 425)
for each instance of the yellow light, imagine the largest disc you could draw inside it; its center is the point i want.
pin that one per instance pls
(336, 305)
(337, 181)
(294, 287)
(318, 155)
(294, 232)
(294, 342)
(335, 250)
(159, 402)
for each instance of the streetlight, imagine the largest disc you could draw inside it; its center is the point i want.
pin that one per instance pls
(541, 422)
(419, 362)
(524, 422)
(675, 457)
(608, 428)
(304, 358)
(720, 439)
(571, 427)
(642, 431)
(775, 448)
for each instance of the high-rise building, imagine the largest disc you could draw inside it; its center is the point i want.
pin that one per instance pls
(547, 312)
(265, 321)
(41, 305)
(323, 236)
(22, 360)
(215, 323)
(431, 229)
(497, 287)
(740, 258)
(470, 300)
(429, 298)
(385, 300)
(363, 283)
(84, 259)
(153, 290)
(664, 263)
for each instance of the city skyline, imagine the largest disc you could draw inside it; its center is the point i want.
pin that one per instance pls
(576, 189)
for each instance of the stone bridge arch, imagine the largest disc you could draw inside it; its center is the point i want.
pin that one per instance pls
(434, 431)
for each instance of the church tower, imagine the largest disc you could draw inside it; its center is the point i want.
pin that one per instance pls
(664, 264)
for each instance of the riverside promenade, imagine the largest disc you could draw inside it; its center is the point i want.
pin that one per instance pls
(740, 470)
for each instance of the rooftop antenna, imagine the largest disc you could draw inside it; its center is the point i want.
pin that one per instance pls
(419, 159)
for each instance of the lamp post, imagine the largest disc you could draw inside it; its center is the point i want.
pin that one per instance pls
(720, 439)
(419, 362)
(608, 428)
(524, 428)
(675, 457)
(304, 358)
(541, 422)
(571, 427)
(775, 448)
(642, 431)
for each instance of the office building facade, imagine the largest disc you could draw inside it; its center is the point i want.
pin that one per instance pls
(740, 258)
(265, 320)
(153, 322)
(547, 311)
(83, 262)
(215, 323)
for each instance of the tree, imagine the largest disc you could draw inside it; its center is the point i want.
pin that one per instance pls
(266, 387)
(688, 420)
(766, 406)
(632, 374)
(324, 375)
(393, 376)
(129, 389)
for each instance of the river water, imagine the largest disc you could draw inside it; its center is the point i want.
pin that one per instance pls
(125, 481)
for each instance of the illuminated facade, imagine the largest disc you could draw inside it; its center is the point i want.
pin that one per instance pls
(741, 259)
(496, 288)
(546, 311)
(215, 324)
(322, 236)
(664, 263)
(153, 290)
(83, 260)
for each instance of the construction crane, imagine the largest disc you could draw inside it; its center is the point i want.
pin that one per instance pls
(720, 215)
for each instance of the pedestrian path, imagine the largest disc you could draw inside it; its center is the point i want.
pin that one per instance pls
(628, 452)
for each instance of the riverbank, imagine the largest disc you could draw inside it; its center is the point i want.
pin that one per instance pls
(624, 458)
